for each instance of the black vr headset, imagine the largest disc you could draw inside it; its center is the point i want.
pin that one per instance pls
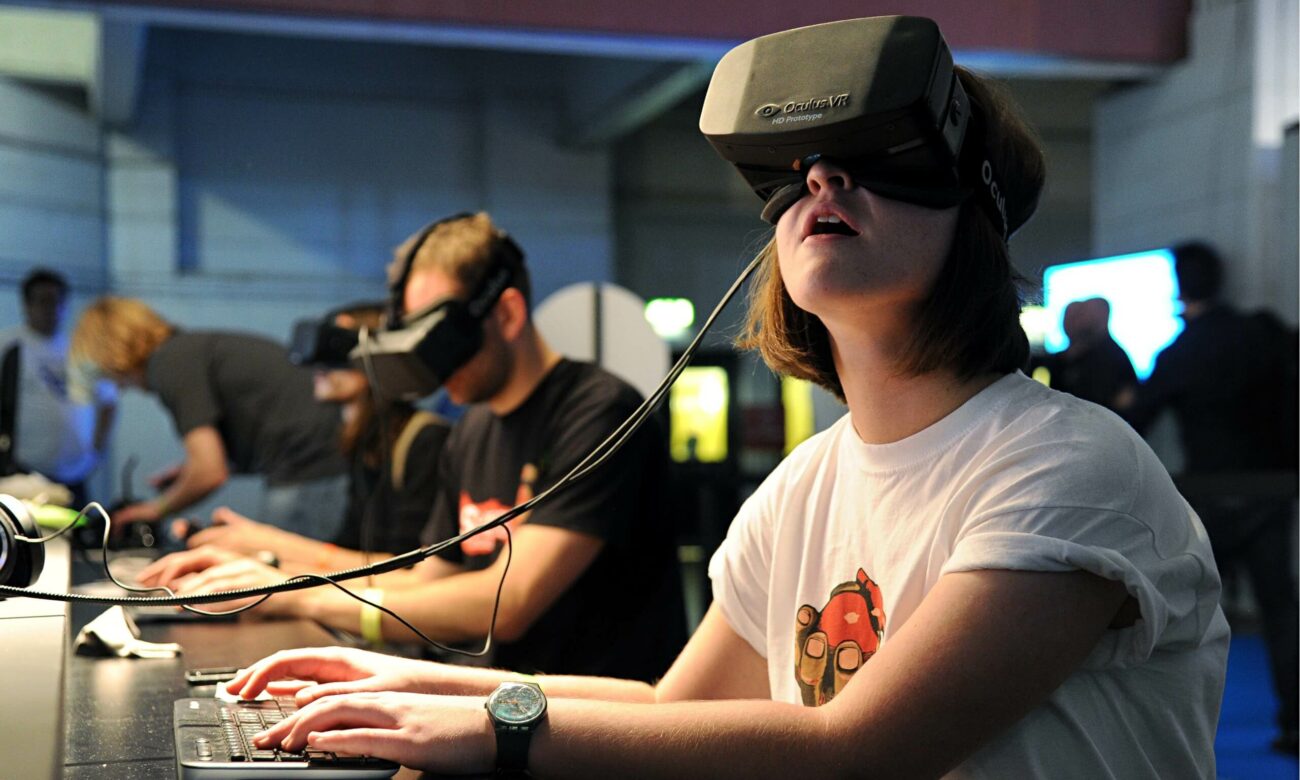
(322, 342)
(417, 351)
(878, 96)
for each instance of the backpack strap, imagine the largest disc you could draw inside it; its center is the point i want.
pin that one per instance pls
(402, 447)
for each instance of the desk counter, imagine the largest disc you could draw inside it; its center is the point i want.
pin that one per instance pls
(118, 711)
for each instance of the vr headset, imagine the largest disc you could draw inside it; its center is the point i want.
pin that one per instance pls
(417, 351)
(878, 96)
(322, 342)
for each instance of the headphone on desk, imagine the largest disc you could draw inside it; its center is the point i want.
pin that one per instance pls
(21, 560)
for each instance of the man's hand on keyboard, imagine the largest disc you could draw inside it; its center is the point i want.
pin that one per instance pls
(169, 569)
(337, 670)
(234, 574)
(232, 531)
(444, 734)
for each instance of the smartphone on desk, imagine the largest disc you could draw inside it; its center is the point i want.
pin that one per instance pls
(211, 676)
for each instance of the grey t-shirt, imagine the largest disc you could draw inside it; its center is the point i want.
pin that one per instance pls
(260, 403)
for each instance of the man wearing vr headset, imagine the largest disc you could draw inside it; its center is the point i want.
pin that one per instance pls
(593, 583)
(237, 403)
(969, 575)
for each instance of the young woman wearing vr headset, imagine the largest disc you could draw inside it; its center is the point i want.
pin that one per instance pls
(968, 575)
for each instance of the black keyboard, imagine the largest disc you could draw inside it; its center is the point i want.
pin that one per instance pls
(214, 740)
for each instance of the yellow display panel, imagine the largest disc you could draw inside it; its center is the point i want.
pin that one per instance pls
(797, 402)
(697, 407)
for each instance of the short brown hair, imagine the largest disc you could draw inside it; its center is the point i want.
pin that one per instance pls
(970, 321)
(465, 249)
(119, 334)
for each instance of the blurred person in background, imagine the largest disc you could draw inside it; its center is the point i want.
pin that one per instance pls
(1230, 381)
(51, 429)
(1094, 366)
(238, 404)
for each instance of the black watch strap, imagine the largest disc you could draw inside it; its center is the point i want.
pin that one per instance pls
(512, 747)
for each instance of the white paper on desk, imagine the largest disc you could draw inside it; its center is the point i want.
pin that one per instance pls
(114, 631)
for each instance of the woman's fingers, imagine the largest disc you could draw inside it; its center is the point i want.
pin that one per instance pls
(306, 696)
(392, 744)
(317, 664)
(358, 710)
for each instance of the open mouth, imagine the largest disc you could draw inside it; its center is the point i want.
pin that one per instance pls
(829, 224)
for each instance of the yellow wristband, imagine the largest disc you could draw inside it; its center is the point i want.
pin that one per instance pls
(372, 620)
(525, 678)
(160, 503)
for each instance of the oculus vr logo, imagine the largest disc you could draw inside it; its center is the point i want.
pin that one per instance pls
(769, 110)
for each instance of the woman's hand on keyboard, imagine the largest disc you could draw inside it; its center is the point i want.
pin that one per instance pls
(337, 670)
(442, 734)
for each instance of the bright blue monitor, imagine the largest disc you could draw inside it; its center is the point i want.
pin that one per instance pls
(1143, 294)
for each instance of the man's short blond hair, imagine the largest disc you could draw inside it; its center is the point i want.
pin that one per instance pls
(464, 248)
(119, 334)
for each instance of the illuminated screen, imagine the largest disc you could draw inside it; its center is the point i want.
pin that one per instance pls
(1143, 295)
(697, 407)
(797, 403)
(1035, 321)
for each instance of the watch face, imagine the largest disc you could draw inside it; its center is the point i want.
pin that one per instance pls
(516, 704)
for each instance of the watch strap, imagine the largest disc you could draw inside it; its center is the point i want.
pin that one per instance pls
(512, 747)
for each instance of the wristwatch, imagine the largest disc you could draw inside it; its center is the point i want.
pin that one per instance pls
(516, 709)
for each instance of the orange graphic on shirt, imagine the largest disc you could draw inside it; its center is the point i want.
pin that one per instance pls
(832, 644)
(473, 515)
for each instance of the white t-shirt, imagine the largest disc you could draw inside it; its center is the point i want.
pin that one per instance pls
(55, 435)
(848, 538)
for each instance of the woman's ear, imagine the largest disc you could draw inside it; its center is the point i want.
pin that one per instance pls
(511, 313)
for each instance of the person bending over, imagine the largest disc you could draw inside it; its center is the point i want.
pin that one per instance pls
(237, 403)
(969, 574)
(593, 584)
(389, 495)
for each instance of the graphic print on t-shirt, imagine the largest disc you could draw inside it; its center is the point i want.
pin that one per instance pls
(473, 514)
(833, 643)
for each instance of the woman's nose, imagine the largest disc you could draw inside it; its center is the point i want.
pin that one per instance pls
(827, 174)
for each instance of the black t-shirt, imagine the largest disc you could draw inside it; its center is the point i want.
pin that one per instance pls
(1098, 374)
(624, 615)
(381, 517)
(260, 403)
(1230, 379)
